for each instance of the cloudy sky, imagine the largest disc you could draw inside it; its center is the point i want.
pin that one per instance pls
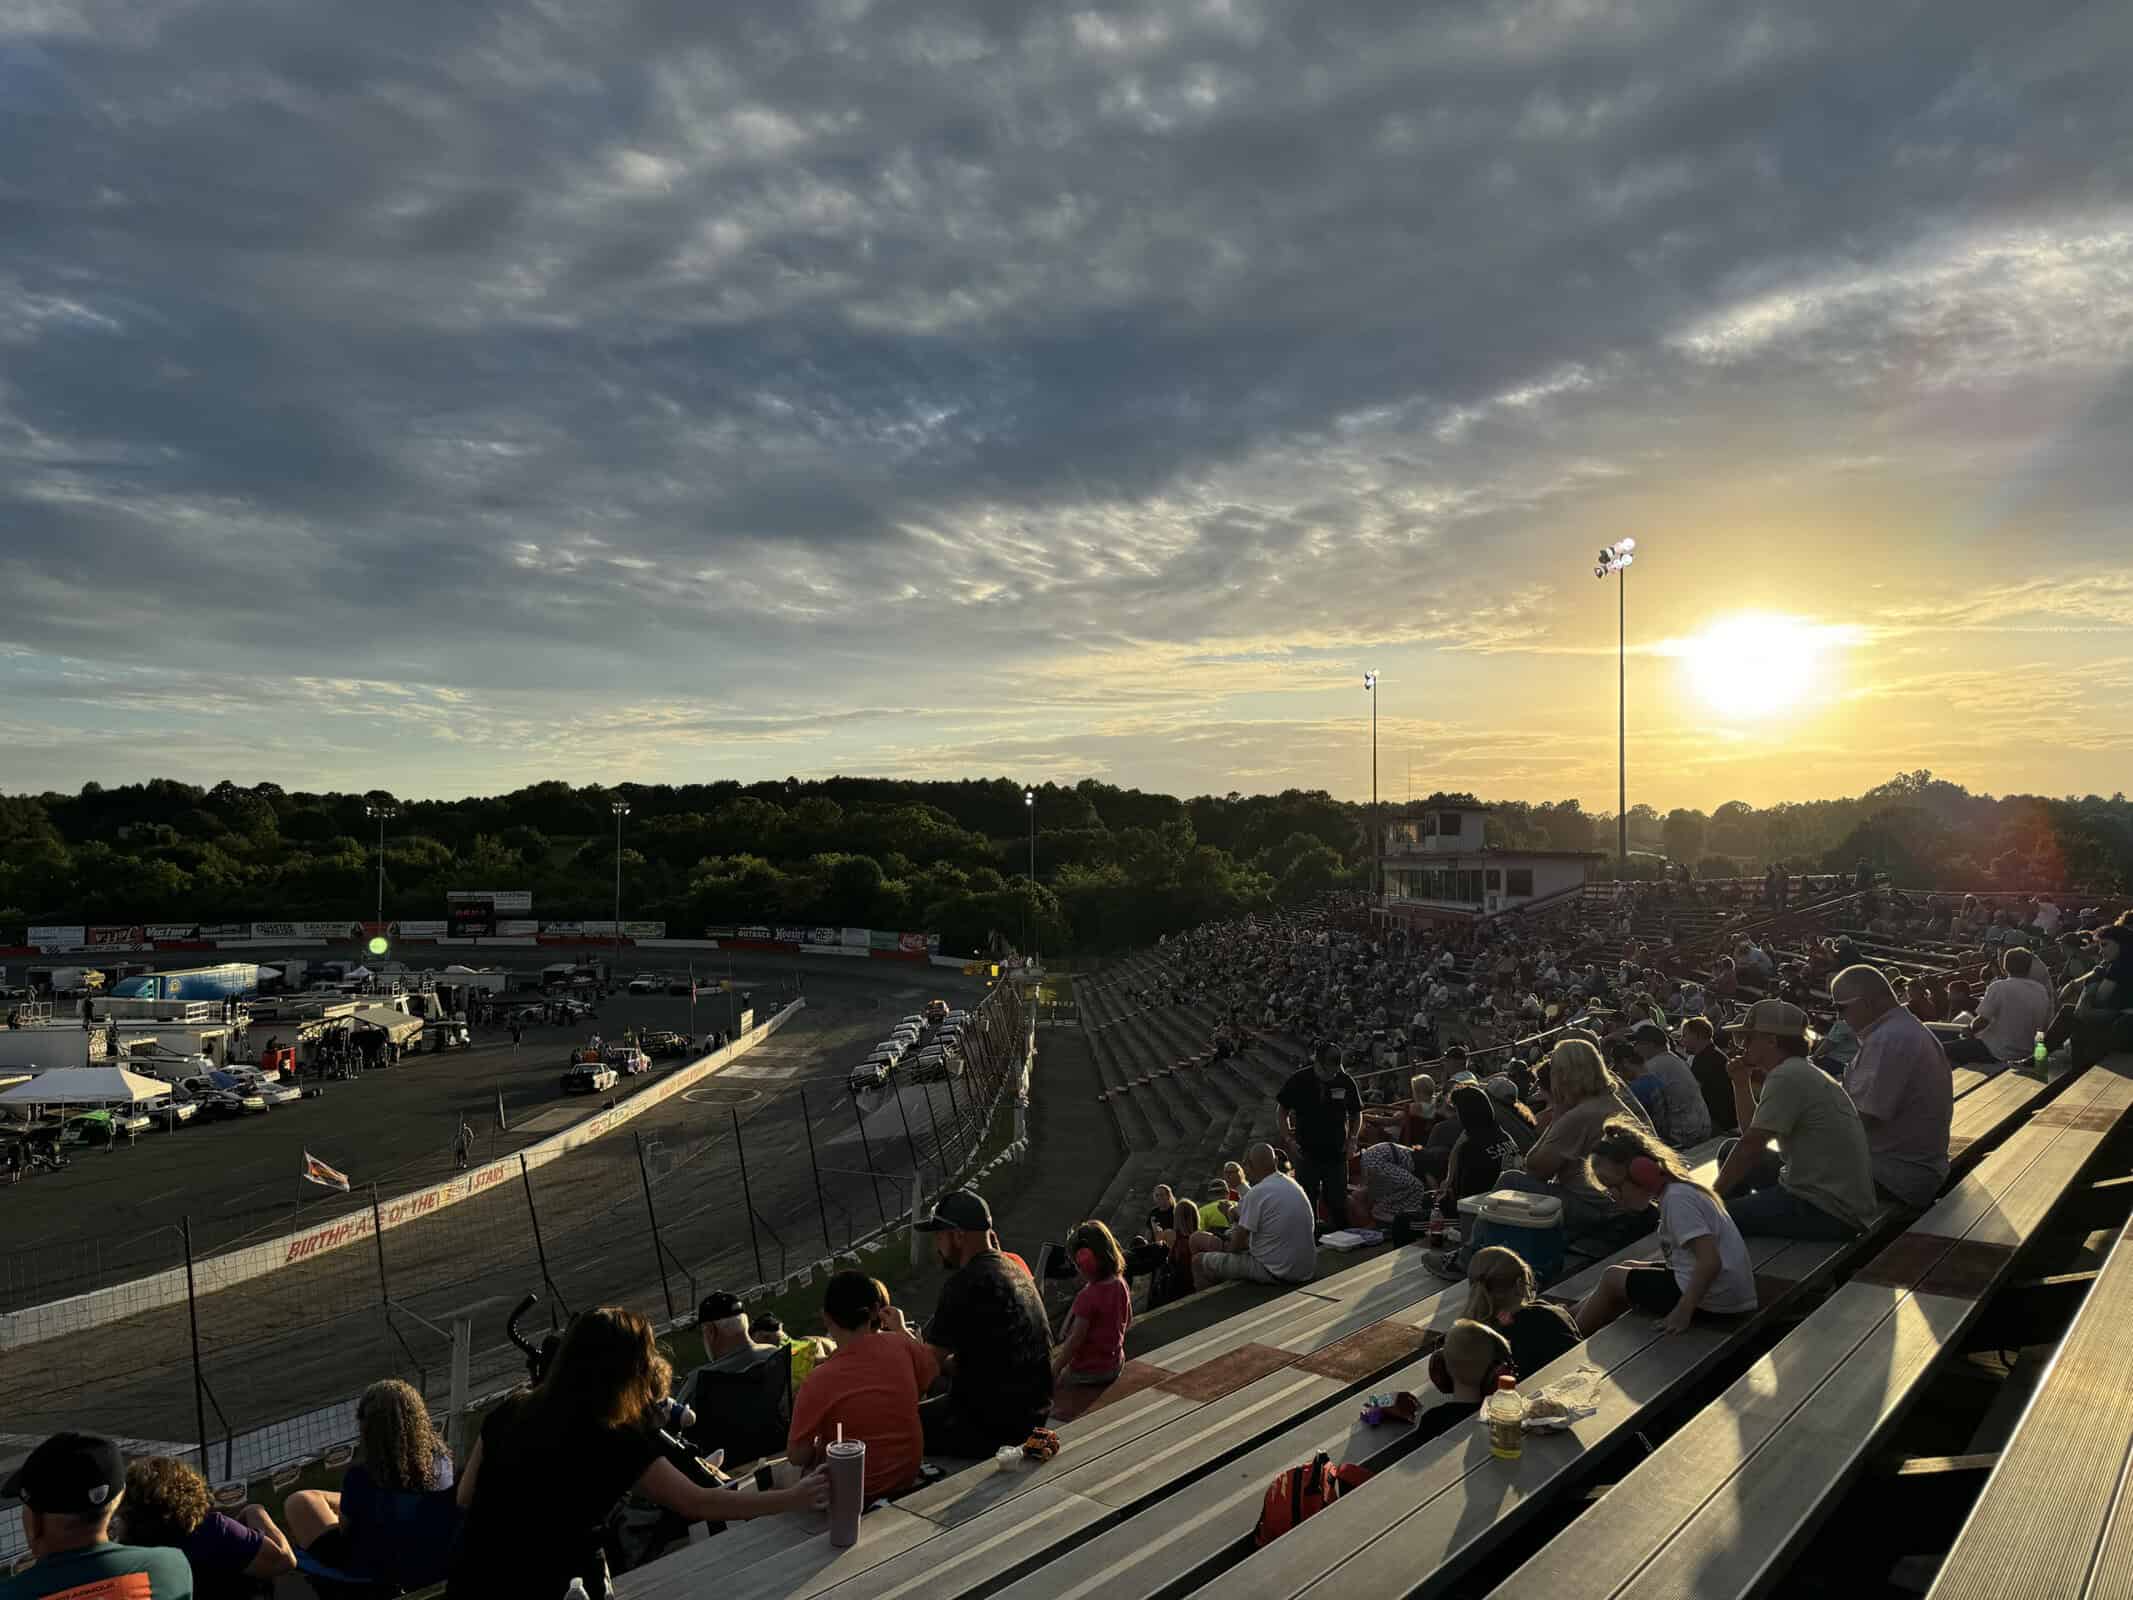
(443, 397)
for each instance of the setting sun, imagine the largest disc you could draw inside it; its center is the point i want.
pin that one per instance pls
(1755, 665)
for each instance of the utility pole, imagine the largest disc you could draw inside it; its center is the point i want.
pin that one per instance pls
(381, 812)
(621, 810)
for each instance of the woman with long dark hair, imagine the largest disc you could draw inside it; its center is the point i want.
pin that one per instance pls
(553, 1460)
(2100, 1018)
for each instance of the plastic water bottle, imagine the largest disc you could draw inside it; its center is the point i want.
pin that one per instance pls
(2039, 1053)
(1506, 1412)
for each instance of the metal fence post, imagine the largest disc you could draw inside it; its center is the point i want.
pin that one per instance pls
(807, 1127)
(867, 1149)
(192, 1314)
(938, 1147)
(747, 1199)
(955, 1114)
(377, 1236)
(658, 1255)
(540, 1250)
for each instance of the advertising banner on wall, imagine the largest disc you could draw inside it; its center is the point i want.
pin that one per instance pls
(721, 930)
(553, 928)
(821, 936)
(59, 935)
(911, 943)
(880, 939)
(420, 930)
(516, 902)
(225, 930)
(792, 936)
(470, 916)
(516, 927)
(307, 930)
(758, 933)
(175, 930)
(126, 936)
(855, 937)
(644, 930)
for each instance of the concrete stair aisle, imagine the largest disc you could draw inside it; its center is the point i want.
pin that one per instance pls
(1129, 1113)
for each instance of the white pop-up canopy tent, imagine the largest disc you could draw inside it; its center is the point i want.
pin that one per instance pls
(85, 1086)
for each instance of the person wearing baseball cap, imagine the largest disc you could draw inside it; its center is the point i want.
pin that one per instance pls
(989, 1335)
(1680, 1116)
(1823, 1188)
(69, 1486)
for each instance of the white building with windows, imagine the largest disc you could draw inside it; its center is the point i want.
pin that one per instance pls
(1439, 867)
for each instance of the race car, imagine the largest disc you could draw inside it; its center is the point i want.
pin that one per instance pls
(628, 1062)
(589, 1077)
(872, 1073)
(661, 1042)
(936, 1011)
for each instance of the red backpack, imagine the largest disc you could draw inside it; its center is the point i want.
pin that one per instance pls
(1301, 1492)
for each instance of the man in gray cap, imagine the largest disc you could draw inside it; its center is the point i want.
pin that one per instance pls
(1682, 1119)
(69, 1486)
(988, 1332)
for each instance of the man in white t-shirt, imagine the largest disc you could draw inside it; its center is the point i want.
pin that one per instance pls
(2045, 916)
(2015, 1010)
(1274, 1240)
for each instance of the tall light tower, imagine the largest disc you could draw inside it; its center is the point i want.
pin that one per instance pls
(1377, 836)
(1029, 804)
(381, 814)
(1616, 558)
(621, 810)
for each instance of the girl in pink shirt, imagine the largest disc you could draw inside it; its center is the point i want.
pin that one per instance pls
(1094, 1346)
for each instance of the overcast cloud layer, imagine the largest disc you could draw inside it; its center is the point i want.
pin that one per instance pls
(443, 397)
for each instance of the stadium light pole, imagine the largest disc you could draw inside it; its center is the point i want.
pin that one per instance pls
(621, 809)
(1029, 804)
(1616, 558)
(381, 814)
(1377, 839)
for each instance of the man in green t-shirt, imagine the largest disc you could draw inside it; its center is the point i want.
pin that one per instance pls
(69, 1486)
(1825, 1187)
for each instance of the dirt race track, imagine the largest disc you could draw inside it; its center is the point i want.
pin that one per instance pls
(316, 1332)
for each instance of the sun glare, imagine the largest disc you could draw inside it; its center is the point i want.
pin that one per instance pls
(1755, 665)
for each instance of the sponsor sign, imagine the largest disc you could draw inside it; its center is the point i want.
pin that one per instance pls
(225, 930)
(516, 927)
(721, 931)
(933, 944)
(915, 943)
(747, 1021)
(471, 918)
(307, 930)
(128, 936)
(855, 937)
(420, 930)
(792, 936)
(174, 930)
(562, 927)
(881, 939)
(644, 930)
(59, 935)
(834, 950)
(516, 901)
(826, 936)
(760, 933)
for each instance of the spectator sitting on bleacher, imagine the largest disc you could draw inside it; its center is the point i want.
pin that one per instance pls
(169, 1505)
(1900, 1085)
(1513, 1117)
(1273, 1240)
(1824, 1188)
(2015, 1009)
(1465, 1369)
(743, 1393)
(1679, 1114)
(1704, 1263)
(870, 1388)
(1391, 1186)
(393, 1518)
(552, 1461)
(69, 1486)
(1481, 1153)
(1708, 1063)
(2100, 1018)
(1502, 1295)
(1092, 1350)
(1922, 1000)
(989, 1334)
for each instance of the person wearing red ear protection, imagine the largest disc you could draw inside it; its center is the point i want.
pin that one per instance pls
(1465, 1367)
(1704, 1265)
(1093, 1349)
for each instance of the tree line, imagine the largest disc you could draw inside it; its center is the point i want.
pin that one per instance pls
(1114, 867)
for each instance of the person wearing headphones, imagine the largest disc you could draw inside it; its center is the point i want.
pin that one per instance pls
(1705, 1265)
(1465, 1368)
(1092, 1351)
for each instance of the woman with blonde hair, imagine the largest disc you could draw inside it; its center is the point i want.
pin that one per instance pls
(553, 1460)
(1501, 1293)
(1705, 1263)
(1582, 1096)
(366, 1527)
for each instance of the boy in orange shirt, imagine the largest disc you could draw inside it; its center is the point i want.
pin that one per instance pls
(871, 1386)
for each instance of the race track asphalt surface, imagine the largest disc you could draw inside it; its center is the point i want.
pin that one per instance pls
(317, 1331)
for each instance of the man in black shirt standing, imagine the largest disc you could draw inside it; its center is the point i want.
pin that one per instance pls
(990, 1335)
(1321, 1118)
